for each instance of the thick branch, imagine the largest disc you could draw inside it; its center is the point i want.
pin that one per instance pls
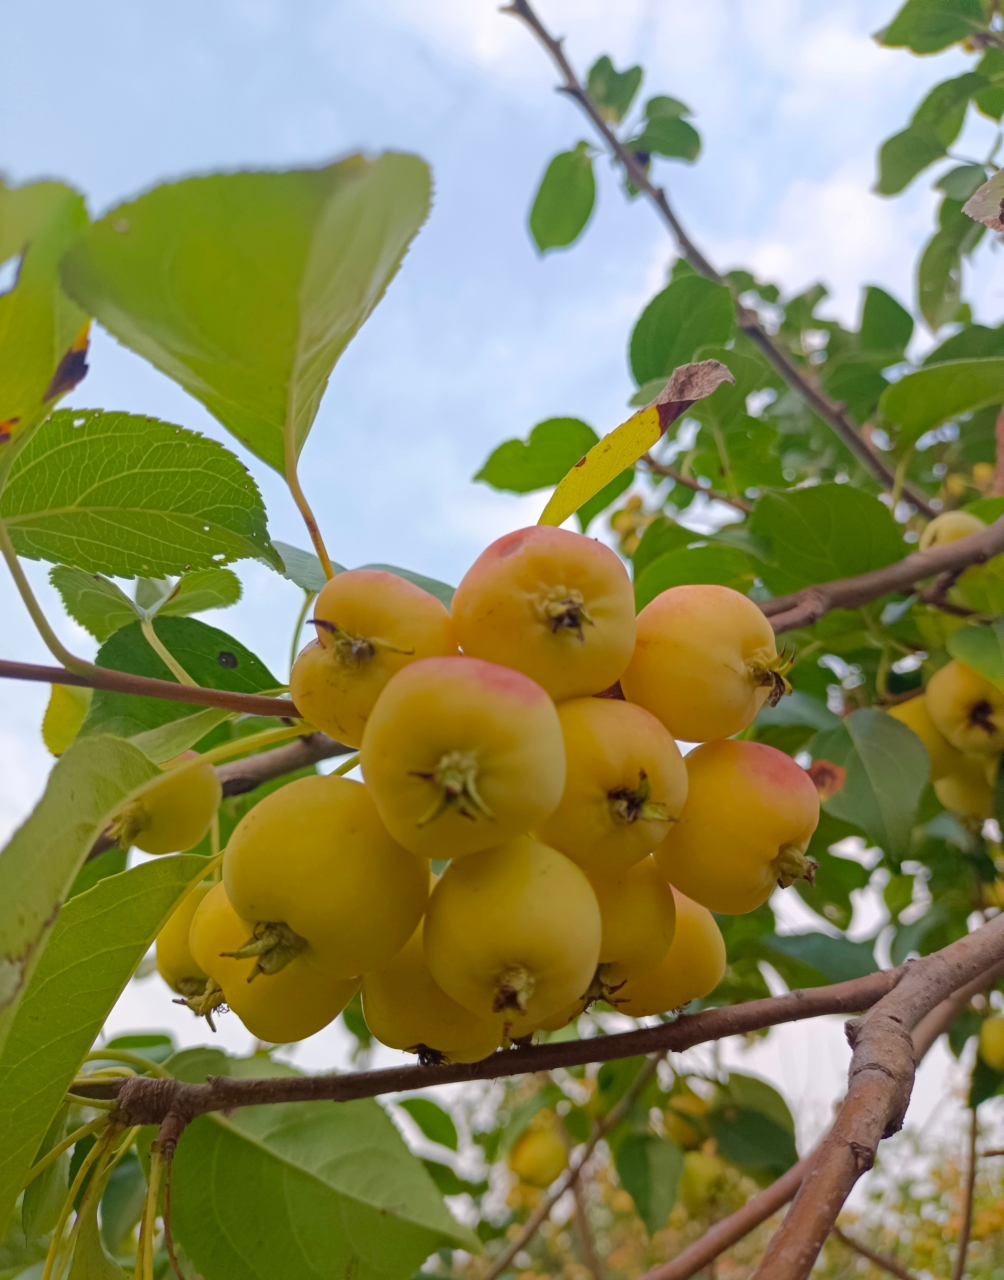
(805, 607)
(147, 1101)
(880, 1082)
(831, 413)
(122, 682)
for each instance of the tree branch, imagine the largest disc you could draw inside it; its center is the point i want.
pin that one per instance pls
(660, 469)
(153, 1100)
(146, 686)
(880, 1082)
(831, 413)
(802, 608)
(880, 1260)
(962, 1248)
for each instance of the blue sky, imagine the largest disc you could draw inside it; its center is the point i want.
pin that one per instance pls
(477, 339)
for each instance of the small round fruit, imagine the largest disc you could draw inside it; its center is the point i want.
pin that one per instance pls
(992, 1042)
(749, 817)
(515, 930)
(312, 867)
(369, 624)
(966, 709)
(702, 1179)
(691, 968)
(949, 527)
(279, 1007)
(684, 1120)
(915, 715)
(175, 813)
(175, 963)
(626, 782)
(966, 790)
(553, 604)
(461, 754)
(638, 913)
(705, 662)
(405, 1009)
(538, 1155)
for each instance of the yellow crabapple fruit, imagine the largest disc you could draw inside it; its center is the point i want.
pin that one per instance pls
(539, 1155)
(691, 968)
(749, 817)
(638, 914)
(950, 526)
(965, 788)
(914, 713)
(312, 867)
(513, 930)
(405, 1009)
(705, 662)
(174, 955)
(175, 812)
(461, 754)
(369, 624)
(992, 1042)
(967, 709)
(625, 783)
(551, 603)
(702, 1178)
(290, 1004)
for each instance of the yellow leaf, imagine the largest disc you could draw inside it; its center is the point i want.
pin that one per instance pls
(623, 446)
(64, 715)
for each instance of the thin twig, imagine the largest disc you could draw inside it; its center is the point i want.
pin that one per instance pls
(571, 1176)
(831, 413)
(671, 473)
(880, 1260)
(967, 1205)
(587, 1245)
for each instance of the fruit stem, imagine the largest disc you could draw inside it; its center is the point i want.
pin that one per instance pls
(564, 609)
(206, 1004)
(791, 864)
(513, 989)
(128, 823)
(771, 672)
(456, 776)
(273, 944)
(300, 498)
(627, 805)
(352, 650)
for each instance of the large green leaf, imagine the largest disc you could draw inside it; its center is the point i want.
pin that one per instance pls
(727, 566)
(120, 494)
(303, 567)
(757, 1095)
(212, 658)
(38, 323)
(38, 865)
(834, 959)
(564, 199)
(886, 771)
(304, 1189)
(906, 154)
(691, 312)
(540, 461)
(649, 1170)
(753, 1142)
(886, 327)
(247, 287)
(923, 400)
(825, 532)
(95, 945)
(93, 600)
(973, 342)
(926, 26)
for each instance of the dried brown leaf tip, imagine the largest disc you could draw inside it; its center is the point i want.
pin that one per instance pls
(688, 383)
(986, 204)
(827, 777)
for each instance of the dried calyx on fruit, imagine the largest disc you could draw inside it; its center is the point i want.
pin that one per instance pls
(175, 812)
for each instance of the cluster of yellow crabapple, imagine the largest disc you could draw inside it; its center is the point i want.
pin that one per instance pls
(528, 738)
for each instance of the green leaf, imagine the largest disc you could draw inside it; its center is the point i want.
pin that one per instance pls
(564, 199)
(302, 567)
(798, 708)
(974, 342)
(981, 648)
(691, 312)
(939, 280)
(836, 877)
(886, 327)
(923, 400)
(247, 287)
(649, 1170)
(927, 26)
(984, 1083)
(599, 502)
(669, 136)
(212, 658)
(887, 769)
(95, 945)
(834, 959)
(753, 1142)
(662, 535)
(612, 91)
(124, 495)
(90, 1261)
(825, 532)
(449, 1183)
(92, 600)
(906, 154)
(910, 937)
(122, 1202)
(435, 1123)
(197, 592)
(856, 382)
(44, 1195)
(167, 741)
(726, 566)
(754, 1094)
(282, 1192)
(110, 863)
(944, 107)
(441, 590)
(552, 447)
(43, 335)
(962, 182)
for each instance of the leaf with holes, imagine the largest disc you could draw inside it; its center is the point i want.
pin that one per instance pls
(247, 287)
(124, 495)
